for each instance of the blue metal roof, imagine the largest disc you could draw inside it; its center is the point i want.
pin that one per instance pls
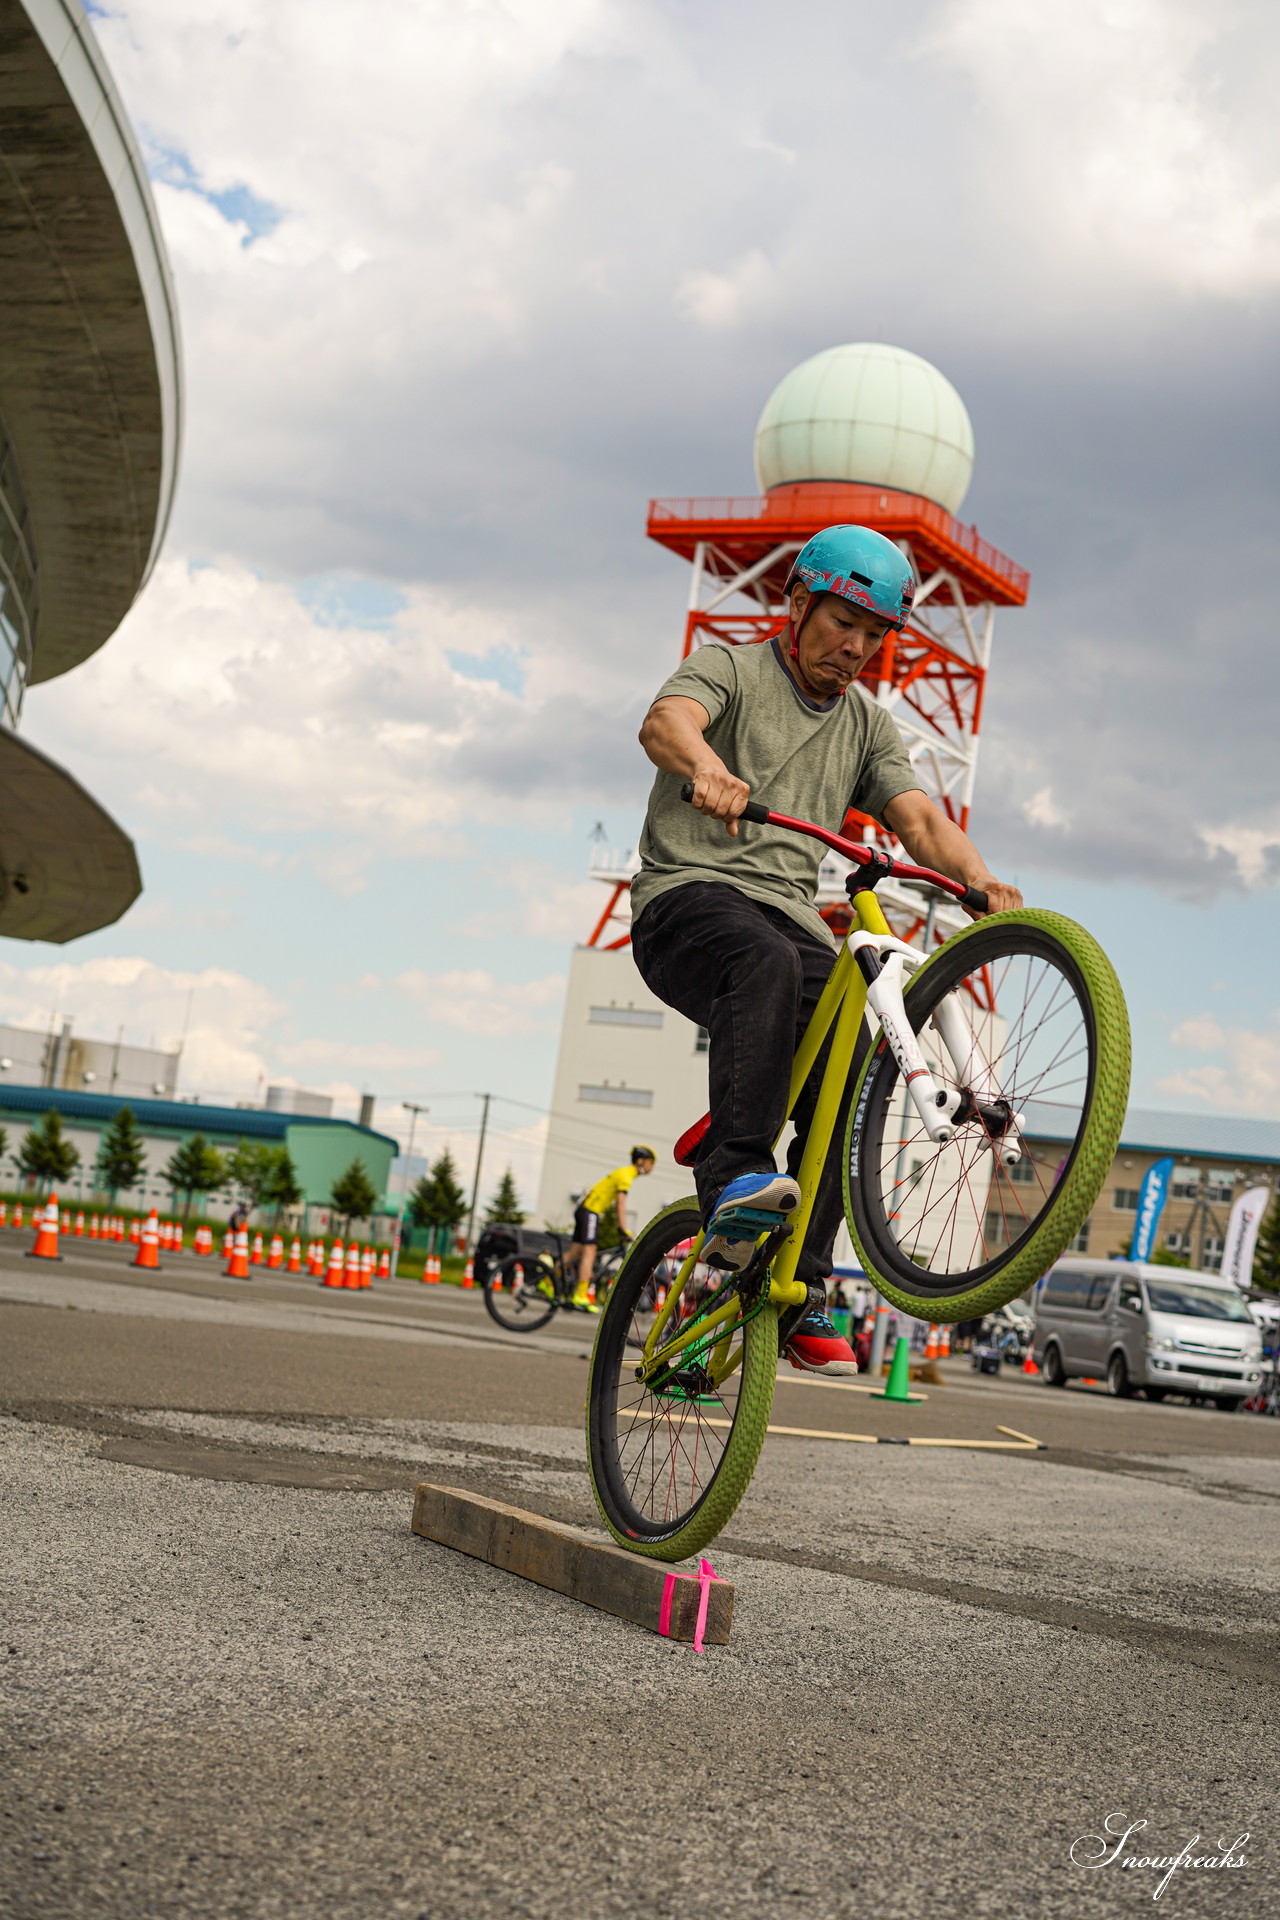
(1225, 1136)
(180, 1116)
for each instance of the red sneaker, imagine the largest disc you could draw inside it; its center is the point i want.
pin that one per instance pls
(816, 1347)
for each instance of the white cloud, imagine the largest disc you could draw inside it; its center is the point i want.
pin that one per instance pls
(1119, 129)
(1255, 851)
(1246, 1079)
(1042, 810)
(474, 1002)
(229, 1015)
(721, 300)
(224, 696)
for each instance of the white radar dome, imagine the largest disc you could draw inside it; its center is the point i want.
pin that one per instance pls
(867, 413)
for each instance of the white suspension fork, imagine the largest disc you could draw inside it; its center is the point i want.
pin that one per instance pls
(933, 1103)
(972, 1070)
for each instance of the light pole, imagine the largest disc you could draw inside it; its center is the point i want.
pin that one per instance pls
(475, 1185)
(410, 1106)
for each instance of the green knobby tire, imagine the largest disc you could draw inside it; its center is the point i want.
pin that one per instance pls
(696, 1473)
(967, 1289)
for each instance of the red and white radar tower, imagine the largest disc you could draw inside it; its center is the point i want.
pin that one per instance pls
(874, 435)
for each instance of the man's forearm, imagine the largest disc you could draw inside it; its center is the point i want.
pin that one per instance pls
(934, 841)
(939, 843)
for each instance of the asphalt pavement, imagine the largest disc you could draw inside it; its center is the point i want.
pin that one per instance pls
(234, 1683)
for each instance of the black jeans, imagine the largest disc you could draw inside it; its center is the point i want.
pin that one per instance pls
(751, 976)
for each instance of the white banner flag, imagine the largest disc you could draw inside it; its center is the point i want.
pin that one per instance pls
(1242, 1234)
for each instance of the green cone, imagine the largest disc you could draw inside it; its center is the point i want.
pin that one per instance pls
(899, 1379)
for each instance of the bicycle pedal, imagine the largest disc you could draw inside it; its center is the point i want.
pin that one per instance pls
(743, 1223)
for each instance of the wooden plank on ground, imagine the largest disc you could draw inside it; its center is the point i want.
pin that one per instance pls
(570, 1561)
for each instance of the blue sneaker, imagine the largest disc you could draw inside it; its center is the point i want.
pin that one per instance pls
(752, 1204)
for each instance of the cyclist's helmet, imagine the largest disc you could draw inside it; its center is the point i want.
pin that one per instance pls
(642, 1153)
(860, 565)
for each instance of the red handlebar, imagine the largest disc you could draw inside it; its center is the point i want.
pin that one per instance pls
(971, 897)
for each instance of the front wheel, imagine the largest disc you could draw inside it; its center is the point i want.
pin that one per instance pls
(520, 1294)
(671, 1455)
(1118, 1378)
(951, 1232)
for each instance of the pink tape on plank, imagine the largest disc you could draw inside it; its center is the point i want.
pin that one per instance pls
(706, 1575)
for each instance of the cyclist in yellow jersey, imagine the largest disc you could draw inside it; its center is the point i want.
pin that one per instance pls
(610, 1190)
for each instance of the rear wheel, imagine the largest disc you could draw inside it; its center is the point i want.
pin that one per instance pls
(671, 1455)
(1052, 1371)
(1118, 1378)
(520, 1294)
(949, 1232)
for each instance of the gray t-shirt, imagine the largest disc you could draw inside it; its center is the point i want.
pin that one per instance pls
(814, 762)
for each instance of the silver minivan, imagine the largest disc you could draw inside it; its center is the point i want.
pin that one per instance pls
(1164, 1329)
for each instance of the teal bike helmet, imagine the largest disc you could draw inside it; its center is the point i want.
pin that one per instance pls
(860, 565)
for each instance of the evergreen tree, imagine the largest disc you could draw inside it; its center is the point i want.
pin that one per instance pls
(196, 1167)
(437, 1201)
(505, 1205)
(249, 1169)
(280, 1189)
(46, 1155)
(352, 1193)
(1266, 1258)
(122, 1158)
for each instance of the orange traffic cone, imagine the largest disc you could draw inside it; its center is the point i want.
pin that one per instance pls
(120, 1229)
(944, 1343)
(469, 1274)
(295, 1258)
(237, 1268)
(79, 1226)
(66, 1221)
(204, 1239)
(255, 1258)
(315, 1260)
(228, 1244)
(367, 1263)
(1029, 1364)
(93, 1226)
(135, 1232)
(148, 1245)
(275, 1257)
(431, 1271)
(384, 1265)
(931, 1345)
(4, 1213)
(351, 1277)
(46, 1246)
(333, 1278)
(17, 1216)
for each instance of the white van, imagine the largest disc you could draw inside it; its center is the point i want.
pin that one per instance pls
(1164, 1329)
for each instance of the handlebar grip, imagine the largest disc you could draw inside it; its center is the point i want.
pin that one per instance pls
(754, 809)
(975, 899)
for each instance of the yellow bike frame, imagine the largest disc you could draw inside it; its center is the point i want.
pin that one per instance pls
(842, 1002)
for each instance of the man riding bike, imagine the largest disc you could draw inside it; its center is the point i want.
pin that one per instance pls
(725, 927)
(609, 1191)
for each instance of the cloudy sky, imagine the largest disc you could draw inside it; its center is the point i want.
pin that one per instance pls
(464, 283)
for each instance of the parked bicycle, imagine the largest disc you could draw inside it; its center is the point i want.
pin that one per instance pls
(1016, 1021)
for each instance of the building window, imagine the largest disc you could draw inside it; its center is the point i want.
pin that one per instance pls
(1178, 1242)
(1081, 1242)
(1023, 1172)
(1211, 1254)
(995, 1232)
(625, 1016)
(702, 1041)
(607, 1096)
(1125, 1199)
